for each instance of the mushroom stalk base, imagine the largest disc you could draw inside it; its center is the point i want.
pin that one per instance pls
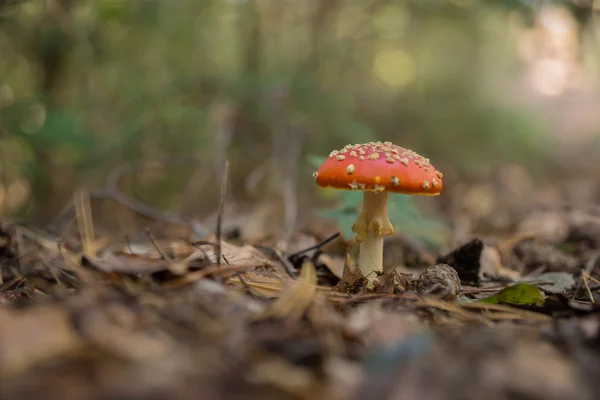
(370, 227)
(370, 259)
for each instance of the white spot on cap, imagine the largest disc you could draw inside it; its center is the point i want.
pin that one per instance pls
(425, 185)
(395, 180)
(350, 169)
(340, 158)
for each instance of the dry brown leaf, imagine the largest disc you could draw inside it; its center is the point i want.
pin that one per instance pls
(102, 329)
(454, 308)
(492, 266)
(333, 264)
(263, 286)
(296, 300)
(237, 255)
(130, 264)
(28, 337)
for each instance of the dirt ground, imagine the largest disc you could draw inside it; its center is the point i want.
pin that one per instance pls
(507, 311)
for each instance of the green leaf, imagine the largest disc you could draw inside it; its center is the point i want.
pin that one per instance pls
(522, 294)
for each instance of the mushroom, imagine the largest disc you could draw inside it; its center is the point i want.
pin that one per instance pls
(376, 169)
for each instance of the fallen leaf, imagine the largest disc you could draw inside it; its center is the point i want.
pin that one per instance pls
(465, 260)
(132, 264)
(553, 282)
(260, 285)
(334, 264)
(28, 337)
(517, 294)
(237, 255)
(491, 265)
(296, 300)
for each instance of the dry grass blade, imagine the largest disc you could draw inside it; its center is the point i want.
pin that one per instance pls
(525, 314)
(454, 308)
(263, 286)
(219, 228)
(294, 302)
(83, 214)
(206, 272)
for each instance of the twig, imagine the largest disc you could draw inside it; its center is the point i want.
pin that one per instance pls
(591, 278)
(128, 242)
(240, 277)
(155, 244)
(111, 192)
(483, 290)
(589, 267)
(585, 277)
(221, 208)
(315, 247)
(203, 273)
(287, 265)
(287, 145)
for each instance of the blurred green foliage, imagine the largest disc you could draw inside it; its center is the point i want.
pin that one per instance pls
(87, 85)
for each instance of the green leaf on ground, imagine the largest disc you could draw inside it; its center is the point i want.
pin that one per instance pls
(522, 294)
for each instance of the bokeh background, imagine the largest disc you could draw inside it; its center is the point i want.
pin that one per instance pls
(142, 102)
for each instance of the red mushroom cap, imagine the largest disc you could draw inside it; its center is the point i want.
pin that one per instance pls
(379, 167)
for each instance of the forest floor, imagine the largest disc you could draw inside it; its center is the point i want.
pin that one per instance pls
(509, 314)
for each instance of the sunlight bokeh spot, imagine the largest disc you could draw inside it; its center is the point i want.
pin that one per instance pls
(34, 119)
(7, 95)
(394, 67)
(17, 194)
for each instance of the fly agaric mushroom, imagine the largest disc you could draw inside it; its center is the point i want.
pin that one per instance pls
(377, 168)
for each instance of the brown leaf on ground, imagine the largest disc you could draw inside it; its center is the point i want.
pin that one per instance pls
(29, 337)
(236, 255)
(126, 264)
(531, 255)
(296, 299)
(465, 260)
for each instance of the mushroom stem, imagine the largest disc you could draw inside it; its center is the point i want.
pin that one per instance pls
(370, 259)
(370, 227)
